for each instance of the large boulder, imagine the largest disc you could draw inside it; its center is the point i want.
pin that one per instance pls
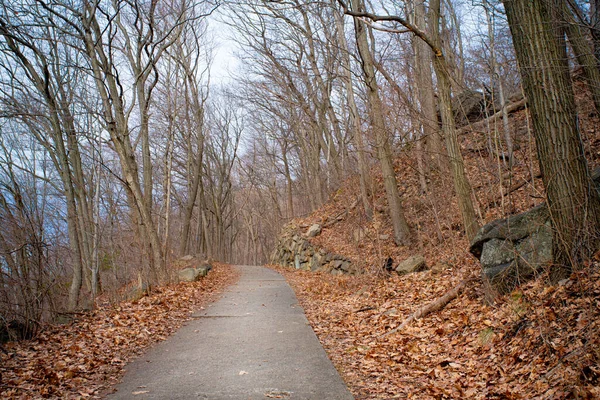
(204, 268)
(189, 275)
(191, 268)
(515, 249)
(470, 106)
(411, 264)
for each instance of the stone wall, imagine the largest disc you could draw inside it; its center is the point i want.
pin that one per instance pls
(294, 250)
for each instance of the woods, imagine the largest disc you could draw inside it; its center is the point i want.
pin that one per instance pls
(120, 152)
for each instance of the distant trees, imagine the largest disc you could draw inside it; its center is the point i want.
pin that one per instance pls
(382, 136)
(442, 72)
(105, 120)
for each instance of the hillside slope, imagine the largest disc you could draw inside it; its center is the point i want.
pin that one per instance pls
(539, 341)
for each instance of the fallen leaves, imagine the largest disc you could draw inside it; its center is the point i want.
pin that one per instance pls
(468, 349)
(83, 359)
(539, 342)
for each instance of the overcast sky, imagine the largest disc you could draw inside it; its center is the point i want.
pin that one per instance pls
(225, 61)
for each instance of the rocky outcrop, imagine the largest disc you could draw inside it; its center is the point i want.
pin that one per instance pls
(470, 106)
(294, 250)
(514, 249)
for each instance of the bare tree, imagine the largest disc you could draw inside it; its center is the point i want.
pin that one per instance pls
(573, 201)
(461, 183)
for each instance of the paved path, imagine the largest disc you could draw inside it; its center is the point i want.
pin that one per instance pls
(254, 343)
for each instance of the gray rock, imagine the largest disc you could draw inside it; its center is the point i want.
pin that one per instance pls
(513, 228)
(497, 252)
(316, 262)
(470, 106)
(346, 266)
(203, 271)
(189, 275)
(514, 249)
(314, 230)
(411, 264)
(536, 249)
(189, 257)
(297, 262)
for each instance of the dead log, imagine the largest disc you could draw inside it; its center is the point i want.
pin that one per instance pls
(432, 307)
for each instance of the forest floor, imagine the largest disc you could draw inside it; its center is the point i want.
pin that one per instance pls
(540, 341)
(86, 357)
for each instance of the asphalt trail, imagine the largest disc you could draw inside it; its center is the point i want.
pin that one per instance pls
(254, 343)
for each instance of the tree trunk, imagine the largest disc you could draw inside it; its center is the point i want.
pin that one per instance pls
(595, 28)
(401, 230)
(461, 183)
(425, 93)
(584, 55)
(357, 134)
(572, 198)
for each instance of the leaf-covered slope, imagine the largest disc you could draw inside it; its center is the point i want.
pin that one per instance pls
(538, 342)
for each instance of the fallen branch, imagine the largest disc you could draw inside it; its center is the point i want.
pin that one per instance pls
(433, 306)
(510, 108)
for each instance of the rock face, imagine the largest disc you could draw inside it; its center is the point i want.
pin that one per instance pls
(192, 268)
(189, 275)
(411, 264)
(514, 249)
(470, 106)
(295, 251)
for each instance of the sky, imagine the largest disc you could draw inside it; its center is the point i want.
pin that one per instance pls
(226, 61)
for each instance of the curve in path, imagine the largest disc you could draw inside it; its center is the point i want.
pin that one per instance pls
(254, 343)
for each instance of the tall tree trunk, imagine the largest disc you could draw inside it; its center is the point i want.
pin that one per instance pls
(425, 93)
(357, 134)
(583, 53)
(595, 28)
(461, 183)
(572, 198)
(116, 124)
(288, 179)
(495, 74)
(401, 230)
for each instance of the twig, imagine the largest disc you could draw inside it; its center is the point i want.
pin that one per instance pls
(514, 187)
